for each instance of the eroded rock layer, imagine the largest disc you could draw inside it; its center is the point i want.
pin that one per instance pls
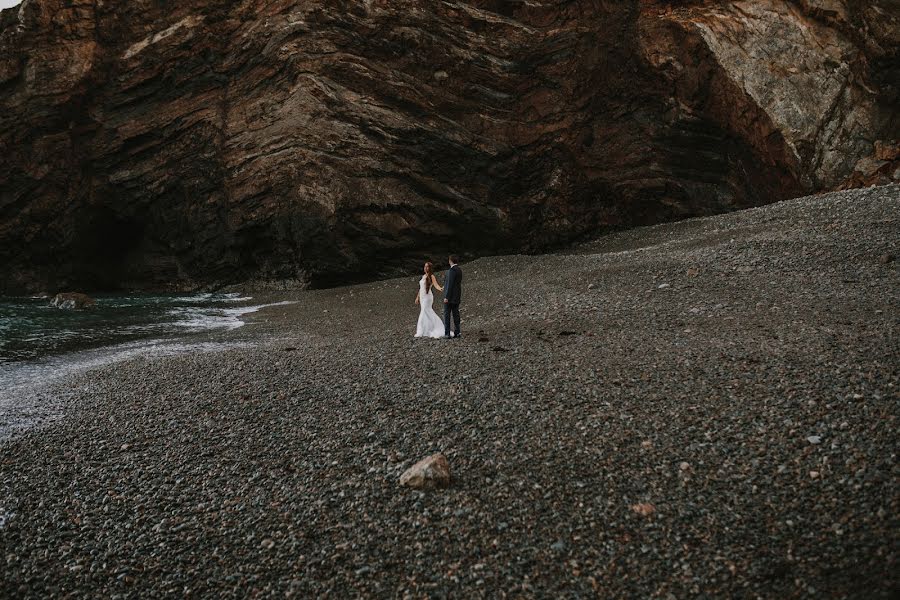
(207, 142)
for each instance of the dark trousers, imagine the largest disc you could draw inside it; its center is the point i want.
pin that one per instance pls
(451, 310)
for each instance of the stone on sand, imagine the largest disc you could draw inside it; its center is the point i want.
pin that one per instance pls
(429, 473)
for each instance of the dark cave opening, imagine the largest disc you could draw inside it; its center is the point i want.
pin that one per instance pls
(104, 244)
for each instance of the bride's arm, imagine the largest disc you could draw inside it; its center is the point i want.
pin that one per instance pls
(417, 297)
(435, 284)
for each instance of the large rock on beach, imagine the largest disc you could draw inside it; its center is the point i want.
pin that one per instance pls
(72, 301)
(212, 142)
(429, 473)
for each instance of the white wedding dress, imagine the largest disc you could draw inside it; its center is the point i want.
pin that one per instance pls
(429, 325)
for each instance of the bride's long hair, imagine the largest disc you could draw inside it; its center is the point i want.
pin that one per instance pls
(429, 270)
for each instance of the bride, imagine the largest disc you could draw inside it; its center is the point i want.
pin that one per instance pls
(429, 325)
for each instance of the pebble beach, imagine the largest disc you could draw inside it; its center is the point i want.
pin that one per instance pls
(707, 408)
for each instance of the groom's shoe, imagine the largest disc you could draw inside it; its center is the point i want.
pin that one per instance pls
(447, 337)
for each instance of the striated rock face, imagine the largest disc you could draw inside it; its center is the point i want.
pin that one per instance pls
(811, 86)
(209, 142)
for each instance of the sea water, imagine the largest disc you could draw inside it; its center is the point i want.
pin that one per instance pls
(41, 344)
(30, 328)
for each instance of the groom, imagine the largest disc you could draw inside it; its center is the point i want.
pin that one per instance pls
(452, 295)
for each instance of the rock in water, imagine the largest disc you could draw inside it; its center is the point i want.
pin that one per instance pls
(72, 301)
(427, 474)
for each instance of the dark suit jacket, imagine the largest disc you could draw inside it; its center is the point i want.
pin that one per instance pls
(453, 285)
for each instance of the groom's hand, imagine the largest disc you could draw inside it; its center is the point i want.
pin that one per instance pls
(445, 301)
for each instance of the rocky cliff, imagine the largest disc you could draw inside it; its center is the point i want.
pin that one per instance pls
(152, 144)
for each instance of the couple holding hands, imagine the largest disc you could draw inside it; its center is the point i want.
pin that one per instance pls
(430, 325)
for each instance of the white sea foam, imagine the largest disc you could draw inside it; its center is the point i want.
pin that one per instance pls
(201, 319)
(204, 298)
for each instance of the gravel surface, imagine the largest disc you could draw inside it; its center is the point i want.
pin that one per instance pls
(707, 408)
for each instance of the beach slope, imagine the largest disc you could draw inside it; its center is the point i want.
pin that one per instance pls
(701, 408)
